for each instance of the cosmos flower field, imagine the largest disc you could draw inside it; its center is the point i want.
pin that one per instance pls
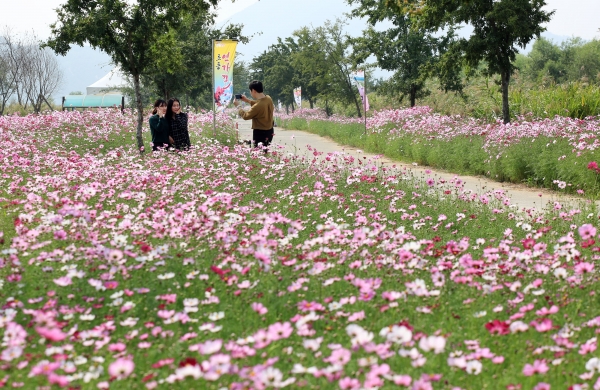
(223, 268)
(554, 153)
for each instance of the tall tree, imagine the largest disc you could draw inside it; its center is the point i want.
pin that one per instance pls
(499, 28)
(188, 76)
(309, 60)
(275, 69)
(132, 32)
(413, 54)
(338, 46)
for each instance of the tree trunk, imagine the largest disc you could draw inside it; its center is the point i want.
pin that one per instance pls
(413, 95)
(359, 112)
(310, 102)
(140, 112)
(505, 76)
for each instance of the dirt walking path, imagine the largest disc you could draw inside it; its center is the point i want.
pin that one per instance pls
(297, 142)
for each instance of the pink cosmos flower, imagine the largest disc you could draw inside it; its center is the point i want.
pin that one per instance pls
(310, 306)
(538, 367)
(59, 380)
(63, 281)
(587, 231)
(117, 347)
(366, 296)
(498, 327)
(53, 334)
(357, 316)
(587, 348)
(259, 308)
(121, 368)
(542, 326)
(339, 356)
(278, 331)
(545, 311)
(347, 383)
(261, 339)
(111, 285)
(584, 267)
(542, 386)
(422, 384)
(210, 347)
(60, 235)
(402, 380)
(45, 368)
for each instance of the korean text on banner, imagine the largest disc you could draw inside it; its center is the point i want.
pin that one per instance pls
(359, 80)
(223, 57)
(298, 96)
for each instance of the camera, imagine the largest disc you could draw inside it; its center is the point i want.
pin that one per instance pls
(238, 97)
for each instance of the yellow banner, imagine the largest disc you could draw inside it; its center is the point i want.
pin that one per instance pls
(223, 57)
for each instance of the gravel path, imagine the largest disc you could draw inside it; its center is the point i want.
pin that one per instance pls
(298, 142)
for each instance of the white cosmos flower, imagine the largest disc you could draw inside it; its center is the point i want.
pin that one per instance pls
(560, 273)
(518, 326)
(168, 275)
(129, 322)
(593, 364)
(191, 302)
(216, 329)
(216, 316)
(312, 344)
(398, 334)
(473, 367)
(437, 344)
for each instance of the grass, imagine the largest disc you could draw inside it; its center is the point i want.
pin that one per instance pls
(538, 162)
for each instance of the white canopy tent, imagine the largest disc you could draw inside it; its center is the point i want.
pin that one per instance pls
(111, 83)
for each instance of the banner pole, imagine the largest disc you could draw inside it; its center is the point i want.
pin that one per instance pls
(213, 89)
(365, 101)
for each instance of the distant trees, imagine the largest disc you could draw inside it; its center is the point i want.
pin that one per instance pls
(137, 34)
(572, 61)
(316, 59)
(499, 28)
(413, 54)
(187, 74)
(27, 72)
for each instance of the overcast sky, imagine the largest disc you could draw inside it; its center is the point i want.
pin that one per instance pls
(572, 17)
(266, 20)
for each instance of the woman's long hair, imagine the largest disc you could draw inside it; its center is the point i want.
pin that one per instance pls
(170, 113)
(158, 103)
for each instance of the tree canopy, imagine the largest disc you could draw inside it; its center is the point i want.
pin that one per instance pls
(135, 34)
(500, 27)
(413, 54)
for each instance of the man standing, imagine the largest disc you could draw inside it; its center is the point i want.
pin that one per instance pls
(261, 113)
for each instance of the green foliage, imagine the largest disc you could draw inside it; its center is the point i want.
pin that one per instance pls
(533, 162)
(316, 59)
(134, 34)
(482, 99)
(187, 74)
(273, 67)
(414, 54)
(499, 28)
(572, 61)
